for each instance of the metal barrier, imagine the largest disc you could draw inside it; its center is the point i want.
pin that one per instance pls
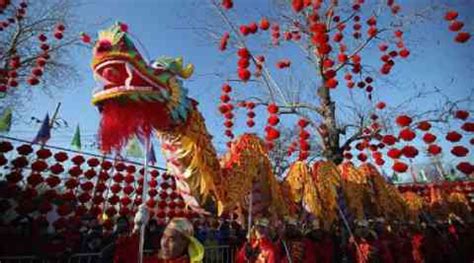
(213, 254)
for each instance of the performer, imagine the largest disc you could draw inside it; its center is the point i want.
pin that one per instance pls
(178, 245)
(296, 248)
(259, 248)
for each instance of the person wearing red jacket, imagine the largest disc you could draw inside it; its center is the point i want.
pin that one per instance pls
(259, 248)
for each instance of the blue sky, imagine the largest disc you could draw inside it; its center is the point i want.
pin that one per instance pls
(164, 28)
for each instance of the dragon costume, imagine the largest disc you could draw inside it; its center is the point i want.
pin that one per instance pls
(140, 98)
(137, 98)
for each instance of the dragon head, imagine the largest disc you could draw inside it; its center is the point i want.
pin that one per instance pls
(135, 97)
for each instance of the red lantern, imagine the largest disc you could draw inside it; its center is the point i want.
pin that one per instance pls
(24, 149)
(115, 188)
(60, 156)
(429, 138)
(434, 149)
(43, 153)
(114, 199)
(459, 151)
(409, 151)
(389, 139)
(400, 167)
(56, 168)
(106, 165)
(78, 160)
(128, 189)
(465, 167)
(93, 162)
(35, 179)
(71, 183)
(407, 134)
(125, 201)
(461, 114)
(468, 126)
(91, 173)
(53, 181)
(424, 126)
(394, 153)
(118, 178)
(87, 186)
(39, 166)
(5, 147)
(453, 136)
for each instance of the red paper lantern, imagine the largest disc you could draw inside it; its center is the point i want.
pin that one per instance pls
(389, 139)
(53, 181)
(131, 169)
(459, 151)
(115, 188)
(424, 125)
(84, 197)
(450, 15)
(60, 156)
(465, 167)
(400, 167)
(64, 209)
(434, 149)
(39, 166)
(93, 162)
(71, 183)
(106, 165)
(429, 138)
(128, 189)
(120, 167)
(114, 199)
(5, 147)
(91, 173)
(43, 153)
(45, 207)
(403, 120)
(35, 179)
(78, 160)
(468, 126)
(100, 187)
(118, 178)
(56, 168)
(125, 201)
(407, 134)
(461, 114)
(98, 199)
(24, 149)
(87, 186)
(14, 177)
(394, 153)
(453, 136)
(409, 151)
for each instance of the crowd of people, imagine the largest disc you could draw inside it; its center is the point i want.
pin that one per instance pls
(287, 241)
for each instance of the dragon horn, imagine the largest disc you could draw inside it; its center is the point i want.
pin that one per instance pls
(187, 71)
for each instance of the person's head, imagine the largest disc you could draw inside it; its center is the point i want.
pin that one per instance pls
(152, 225)
(122, 225)
(262, 228)
(291, 229)
(177, 240)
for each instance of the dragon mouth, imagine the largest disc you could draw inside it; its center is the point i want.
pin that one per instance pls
(122, 80)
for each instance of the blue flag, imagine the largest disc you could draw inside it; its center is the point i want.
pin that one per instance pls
(44, 132)
(151, 155)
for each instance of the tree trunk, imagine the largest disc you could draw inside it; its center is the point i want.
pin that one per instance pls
(332, 150)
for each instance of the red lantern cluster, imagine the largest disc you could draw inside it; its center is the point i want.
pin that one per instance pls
(372, 23)
(357, 27)
(59, 31)
(395, 8)
(304, 135)
(243, 64)
(402, 50)
(227, 112)
(271, 132)
(251, 28)
(456, 26)
(250, 114)
(275, 34)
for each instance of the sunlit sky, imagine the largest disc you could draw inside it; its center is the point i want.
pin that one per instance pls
(168, 27)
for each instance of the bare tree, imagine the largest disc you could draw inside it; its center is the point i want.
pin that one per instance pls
(35, 44)
(332, 43)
